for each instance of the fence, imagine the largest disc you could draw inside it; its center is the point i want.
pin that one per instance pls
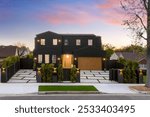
(7, 73)
(117, 75)
(26, 63)
(109, 64)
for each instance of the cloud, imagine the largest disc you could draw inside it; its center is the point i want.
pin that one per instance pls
(107, 12)
(68, 15)
(111, 12)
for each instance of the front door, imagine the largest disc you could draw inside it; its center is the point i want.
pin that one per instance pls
(67, 61)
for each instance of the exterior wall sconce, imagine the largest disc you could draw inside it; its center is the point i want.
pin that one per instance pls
(121, 72)
(141, 73)
(39, 69)
(3, 70)
(75, 59)
(58, 59)
(104, 59)
(78, 70)
(35, 58)
(59, 40)
(38, 40)
(54, 70)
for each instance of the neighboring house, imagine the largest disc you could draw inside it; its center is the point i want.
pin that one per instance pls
(6, 51)
(130, 56)
(83, 50)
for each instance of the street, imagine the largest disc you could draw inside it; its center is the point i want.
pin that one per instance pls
(77, 97)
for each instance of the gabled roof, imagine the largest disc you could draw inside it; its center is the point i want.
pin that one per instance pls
(6, 51)
(129, 55)
(69, 34)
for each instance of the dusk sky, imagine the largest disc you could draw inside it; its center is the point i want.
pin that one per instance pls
(21, 20)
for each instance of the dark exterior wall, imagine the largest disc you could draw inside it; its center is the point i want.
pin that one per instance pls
(78, 51)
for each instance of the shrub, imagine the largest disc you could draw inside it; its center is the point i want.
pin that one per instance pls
(47, 72)
(60, 74)
(10, 61)
(129, 70)
(73, 74)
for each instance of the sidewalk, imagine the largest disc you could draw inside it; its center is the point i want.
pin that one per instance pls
(24, 88)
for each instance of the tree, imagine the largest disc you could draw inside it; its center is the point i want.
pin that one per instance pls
(138, 21)
(22, 49)
(133, 48)
(109, 50)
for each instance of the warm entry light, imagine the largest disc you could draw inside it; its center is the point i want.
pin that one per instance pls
(67, 56)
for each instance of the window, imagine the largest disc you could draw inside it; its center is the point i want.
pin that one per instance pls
(53, 58)
(46, 58)
(54, 41)
(78, 42)
(66, 42)
(40, 58)
(90, 42)
(42, 41)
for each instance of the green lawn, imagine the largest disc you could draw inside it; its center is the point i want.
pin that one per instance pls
(67, 88)
(144, 79)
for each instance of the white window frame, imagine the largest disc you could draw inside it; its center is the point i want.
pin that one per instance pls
(90, 42)
(42, 41)
(40, 58)
(46, 58)
(78, 42)
(55, 41)
(54, 58)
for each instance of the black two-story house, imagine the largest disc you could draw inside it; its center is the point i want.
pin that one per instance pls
(83, 50)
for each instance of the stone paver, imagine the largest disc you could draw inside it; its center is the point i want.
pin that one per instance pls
(93, 76)
(24, 76)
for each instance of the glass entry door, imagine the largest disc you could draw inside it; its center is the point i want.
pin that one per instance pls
(67, 61)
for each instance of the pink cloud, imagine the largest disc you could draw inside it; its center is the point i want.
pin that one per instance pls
(107, 12)
(111, 11)
(66, 15)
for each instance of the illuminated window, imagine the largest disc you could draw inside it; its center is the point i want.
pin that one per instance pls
(42, 41)
(66, 42)
(54, 41)
(40, 58)
(53, 58)
(90, 42)
(46, 58)
(67, 61)
(78, 42)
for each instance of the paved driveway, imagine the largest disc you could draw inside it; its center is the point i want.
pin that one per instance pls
(24, 76)
(29, 76)
(95, 76)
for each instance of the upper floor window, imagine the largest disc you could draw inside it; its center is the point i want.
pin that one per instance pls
(42, 41)
(54, 41)
(90, 42)
(78, 42)
(66, 42)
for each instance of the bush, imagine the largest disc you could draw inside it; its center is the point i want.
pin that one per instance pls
(10, 61)
(129, 70)
(47, 72)
(60, 74)
(73, 74)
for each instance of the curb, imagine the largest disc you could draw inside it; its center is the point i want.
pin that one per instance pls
(69, 92)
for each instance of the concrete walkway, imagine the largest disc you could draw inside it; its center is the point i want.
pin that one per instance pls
(28, 88)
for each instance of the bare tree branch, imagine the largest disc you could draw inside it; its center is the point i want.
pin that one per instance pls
(141, 21)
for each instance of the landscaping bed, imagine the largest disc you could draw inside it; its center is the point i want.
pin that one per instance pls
(142, 89)
(67, 89)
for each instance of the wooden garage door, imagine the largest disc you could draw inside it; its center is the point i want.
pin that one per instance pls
(90, 63)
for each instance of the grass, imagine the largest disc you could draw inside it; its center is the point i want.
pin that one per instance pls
(67, 88)
(144, 79)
